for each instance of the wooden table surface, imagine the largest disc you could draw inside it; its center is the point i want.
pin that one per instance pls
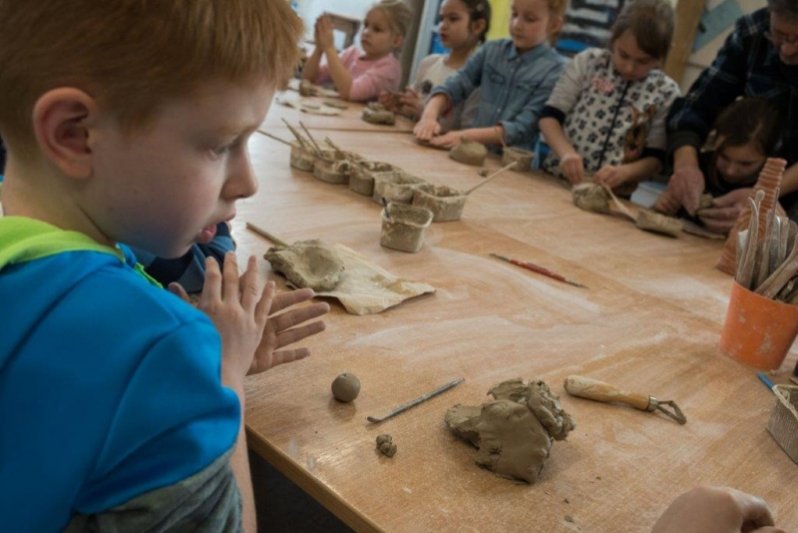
(649, 322)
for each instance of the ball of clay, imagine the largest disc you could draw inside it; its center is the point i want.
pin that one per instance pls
(346, 387)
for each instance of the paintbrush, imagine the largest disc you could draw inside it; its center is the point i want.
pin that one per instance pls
(538, 269)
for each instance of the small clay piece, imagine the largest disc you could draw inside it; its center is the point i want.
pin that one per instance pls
(469, 152)
(377, 114)
(395, 186)
(310, 264)
(403, 227)
(346, 387)
(301, 157)
(705, 201)
(445, 202)
(591, 197)
(361, 177)
(385, 445)
(523, 158)
(334, 170)
(513, 432)
(658, 223)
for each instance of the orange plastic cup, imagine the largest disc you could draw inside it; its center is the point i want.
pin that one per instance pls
(758, 331)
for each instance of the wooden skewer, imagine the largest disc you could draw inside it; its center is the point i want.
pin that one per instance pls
(299, 137)
(489, 178)
(275, 137)
(318, 148)
(263, 233)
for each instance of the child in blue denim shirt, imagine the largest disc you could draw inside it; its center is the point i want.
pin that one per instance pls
(515, 77)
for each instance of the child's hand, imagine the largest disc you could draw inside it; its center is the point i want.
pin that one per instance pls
(572, 168)
(718, 509)
(447, 140)
(323, 33)
(725, 210)
(686, 185)
(667, 204)
(610, 175)
(410, 103)
(278, 332)
(239, 310)
(385, 99)
(426, 128)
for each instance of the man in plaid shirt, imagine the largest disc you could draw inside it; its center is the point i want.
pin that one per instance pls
(759, 58)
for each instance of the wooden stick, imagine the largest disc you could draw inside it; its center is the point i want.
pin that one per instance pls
(745, 275)
(489, 178)
(299, 138)
(318, 148)
(265, 234)
(275, 137)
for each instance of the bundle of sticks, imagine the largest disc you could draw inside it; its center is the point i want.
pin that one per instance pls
(767, 261)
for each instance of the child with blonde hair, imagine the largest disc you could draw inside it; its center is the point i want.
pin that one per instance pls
(360, 75)
(463, 26)
(126, 401)
(606, 115)
(515, 77)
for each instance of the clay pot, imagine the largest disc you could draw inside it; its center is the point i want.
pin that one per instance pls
(336, 168)
(301, 159)
(445, 203)
(522, 158)
(395, 186)
(403, 227)
(361, 177)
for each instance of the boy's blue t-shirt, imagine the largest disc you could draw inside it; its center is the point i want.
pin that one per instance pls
(110, 387)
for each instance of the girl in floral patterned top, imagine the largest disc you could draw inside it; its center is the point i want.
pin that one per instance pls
(606, 115)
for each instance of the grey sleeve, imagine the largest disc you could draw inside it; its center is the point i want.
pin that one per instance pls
(207, 501)
(570, 84)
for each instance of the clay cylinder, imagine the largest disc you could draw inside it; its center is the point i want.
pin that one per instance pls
(445, 203)
(395, 186)
(361, 177)
(301, 159)
(522, 158)
(758, 331)
(403, 227)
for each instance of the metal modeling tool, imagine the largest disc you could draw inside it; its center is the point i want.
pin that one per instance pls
(412, 403)
(538, 269)
(599, 391)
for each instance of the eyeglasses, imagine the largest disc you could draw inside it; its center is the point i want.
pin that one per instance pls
(779, 39)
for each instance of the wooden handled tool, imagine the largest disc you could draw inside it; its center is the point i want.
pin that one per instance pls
(599, 391)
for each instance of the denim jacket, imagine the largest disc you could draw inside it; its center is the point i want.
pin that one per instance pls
(514, 87)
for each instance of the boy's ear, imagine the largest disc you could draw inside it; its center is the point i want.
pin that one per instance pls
(62, 121)
(555, 24)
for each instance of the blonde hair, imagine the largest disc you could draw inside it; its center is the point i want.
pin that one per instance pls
(557, 8)
(400, 17)
(132, 55)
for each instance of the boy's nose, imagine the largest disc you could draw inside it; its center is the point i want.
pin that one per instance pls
(243, 183)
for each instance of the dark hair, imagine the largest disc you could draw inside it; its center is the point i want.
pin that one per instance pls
(752, 119)
(479, 10)
(651, 22)
(785, 8)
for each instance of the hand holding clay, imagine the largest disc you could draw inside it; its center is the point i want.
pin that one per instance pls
(280, 330)
(610, 175)
(667, 203)
(426, 129)
(725, 210)
(686, 185)
(447, 140)
(573, 168)
(717, 509)
(239, 309)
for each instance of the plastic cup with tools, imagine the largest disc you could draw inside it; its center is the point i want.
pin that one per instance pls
(758, 331)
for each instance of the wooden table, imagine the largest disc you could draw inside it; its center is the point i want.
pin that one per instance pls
(649, 322)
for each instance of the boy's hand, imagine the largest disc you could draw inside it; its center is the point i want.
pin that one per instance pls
(610, 175)
(725, 210)
(426, 128)
(572, 168)
(447, 140)
(239, 309)
(278, 332)
(717, 509)
(686, 185)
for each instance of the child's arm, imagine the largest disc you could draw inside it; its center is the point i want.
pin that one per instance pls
(311, 69)
(428, 127)
(490, 135)
(341, 77)
(614, 175)
(571, 164)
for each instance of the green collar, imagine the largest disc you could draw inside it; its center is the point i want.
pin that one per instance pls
(25, 239)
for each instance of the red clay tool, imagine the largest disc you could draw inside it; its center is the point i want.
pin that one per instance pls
(538, 269)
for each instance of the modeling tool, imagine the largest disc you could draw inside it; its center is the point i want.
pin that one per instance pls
(490, 177)
(263, 233)
(385, 205)
(299, 137)
(412, 403)
(312, 140)
(599, 391)
(766, 380)
(275, 137)
(539, 270)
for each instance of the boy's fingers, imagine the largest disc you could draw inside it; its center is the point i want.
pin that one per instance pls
(265, 303)
(292, 317)
(212, 288)
(289, 356)
(250, 289)
(178, 290)
(230, 277)
(297, 334)
(288, 298)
